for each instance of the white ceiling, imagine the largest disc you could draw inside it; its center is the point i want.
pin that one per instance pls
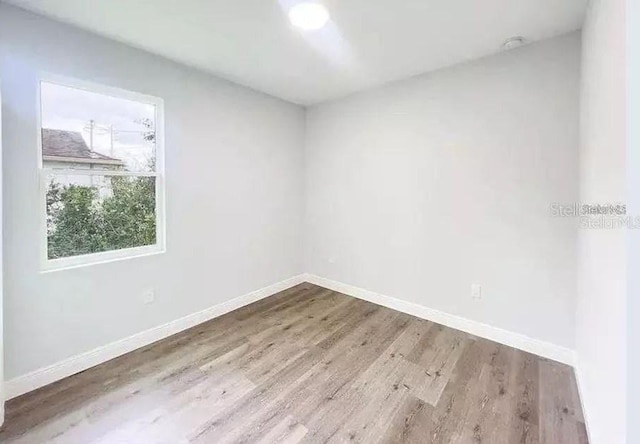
(368, 42)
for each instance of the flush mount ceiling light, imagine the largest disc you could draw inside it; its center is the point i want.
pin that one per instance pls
(308, 16)
(513, 42)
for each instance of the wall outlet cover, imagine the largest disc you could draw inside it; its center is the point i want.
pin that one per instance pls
(148, 297)
(476, 291)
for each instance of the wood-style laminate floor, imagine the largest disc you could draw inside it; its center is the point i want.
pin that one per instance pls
(309, 365)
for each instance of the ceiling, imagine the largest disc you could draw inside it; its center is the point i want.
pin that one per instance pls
(366, 44)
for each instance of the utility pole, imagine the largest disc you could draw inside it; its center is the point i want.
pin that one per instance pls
(111, 140)
(91, 126)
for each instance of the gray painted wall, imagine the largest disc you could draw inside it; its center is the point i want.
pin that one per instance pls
(234, 165)
(420, 188)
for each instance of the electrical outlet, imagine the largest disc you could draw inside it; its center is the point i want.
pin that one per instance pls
(476, 291)
(148, 297)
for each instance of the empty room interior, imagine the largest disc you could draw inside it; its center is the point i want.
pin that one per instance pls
(318, 221)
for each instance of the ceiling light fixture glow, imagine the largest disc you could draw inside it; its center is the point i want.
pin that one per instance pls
(308, 16)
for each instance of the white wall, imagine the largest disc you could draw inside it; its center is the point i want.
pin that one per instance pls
(602, 255)
(2, 395)
(420, 188)
(234, 163)
(633, 203)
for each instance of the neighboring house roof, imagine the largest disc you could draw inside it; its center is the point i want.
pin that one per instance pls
(69, 146)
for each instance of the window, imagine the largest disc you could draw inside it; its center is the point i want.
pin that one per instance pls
(101, 173)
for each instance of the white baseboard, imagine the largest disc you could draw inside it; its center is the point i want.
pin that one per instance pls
(47, 375)
(516, 340)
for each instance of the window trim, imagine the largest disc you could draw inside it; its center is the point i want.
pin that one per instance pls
(48, 265)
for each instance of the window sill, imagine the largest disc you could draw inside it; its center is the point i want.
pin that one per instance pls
(74, 262)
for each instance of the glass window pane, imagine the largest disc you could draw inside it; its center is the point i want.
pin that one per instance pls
(92, 214)
(88, 130)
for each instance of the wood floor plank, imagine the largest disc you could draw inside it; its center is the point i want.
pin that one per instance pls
(308, 365)
(454, 403)
(485, 418)
(413, 423)
(525, 383)
(288, 431)
(560, 415)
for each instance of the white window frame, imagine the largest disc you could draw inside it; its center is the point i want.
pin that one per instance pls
(43, 174)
